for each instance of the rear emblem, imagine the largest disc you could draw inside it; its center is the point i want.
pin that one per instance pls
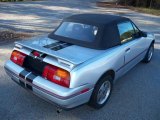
(37, 55)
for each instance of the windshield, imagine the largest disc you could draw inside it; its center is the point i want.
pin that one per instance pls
(77, 31)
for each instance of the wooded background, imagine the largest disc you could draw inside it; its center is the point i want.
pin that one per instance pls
(141, 3)
(136, 3)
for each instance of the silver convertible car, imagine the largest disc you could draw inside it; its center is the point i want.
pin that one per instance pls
(80, 60)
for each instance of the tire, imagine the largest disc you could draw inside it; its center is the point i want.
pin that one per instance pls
(95, 100)
(149, 54)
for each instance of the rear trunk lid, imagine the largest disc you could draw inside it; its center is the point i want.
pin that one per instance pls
(61, 51)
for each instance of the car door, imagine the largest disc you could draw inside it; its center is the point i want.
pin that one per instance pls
(133, 44)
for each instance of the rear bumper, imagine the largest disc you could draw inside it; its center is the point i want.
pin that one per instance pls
(61, 96)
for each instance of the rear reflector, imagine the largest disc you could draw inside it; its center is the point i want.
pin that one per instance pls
(85, 90)
(17, 57)
(56, 75)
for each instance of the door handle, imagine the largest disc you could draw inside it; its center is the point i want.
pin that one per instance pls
(128, 49)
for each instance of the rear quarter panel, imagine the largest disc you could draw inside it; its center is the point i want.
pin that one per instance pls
(90, 71)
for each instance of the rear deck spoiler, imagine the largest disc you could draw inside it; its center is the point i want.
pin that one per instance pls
(51, 58)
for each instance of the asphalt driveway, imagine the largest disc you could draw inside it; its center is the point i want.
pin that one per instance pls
(136, 96)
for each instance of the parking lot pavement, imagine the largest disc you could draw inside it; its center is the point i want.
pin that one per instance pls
(135, 96)
(43, 16)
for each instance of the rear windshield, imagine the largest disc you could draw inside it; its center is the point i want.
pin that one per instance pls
(77, 31)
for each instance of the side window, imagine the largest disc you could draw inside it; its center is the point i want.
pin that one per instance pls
(126, 31)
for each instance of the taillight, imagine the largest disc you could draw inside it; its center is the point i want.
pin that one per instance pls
(17, 57)
(56, 75)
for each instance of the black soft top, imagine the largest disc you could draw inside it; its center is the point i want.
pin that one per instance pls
(107, 36)
(96, 19)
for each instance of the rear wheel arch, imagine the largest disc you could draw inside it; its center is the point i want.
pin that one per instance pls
(108, 72)
(107, 76)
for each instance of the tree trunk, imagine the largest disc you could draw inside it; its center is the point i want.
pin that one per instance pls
(137, 3)
(150, 6)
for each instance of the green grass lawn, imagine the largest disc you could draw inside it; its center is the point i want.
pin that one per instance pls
(138, 9)
(147, 10)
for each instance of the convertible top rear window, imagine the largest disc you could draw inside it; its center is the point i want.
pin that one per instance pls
(77, 31)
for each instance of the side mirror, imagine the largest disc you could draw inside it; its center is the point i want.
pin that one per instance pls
(143, 34)
(136, 35)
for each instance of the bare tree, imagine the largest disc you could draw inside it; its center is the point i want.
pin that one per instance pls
(150, 5)
(137, 3)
